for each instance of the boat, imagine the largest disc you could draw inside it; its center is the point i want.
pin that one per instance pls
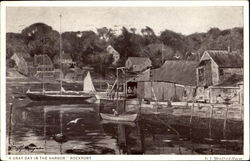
(121, 117)
(85, 96)
(128, 123)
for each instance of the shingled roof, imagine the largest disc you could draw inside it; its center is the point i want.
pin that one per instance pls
(138, 60)
(225, 59)
(176, 71)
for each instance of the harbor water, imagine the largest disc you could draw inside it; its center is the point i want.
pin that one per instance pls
(78, 129)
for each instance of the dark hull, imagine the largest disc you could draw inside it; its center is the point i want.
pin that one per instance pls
(60, 98)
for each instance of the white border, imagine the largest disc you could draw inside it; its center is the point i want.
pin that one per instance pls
(130, 4)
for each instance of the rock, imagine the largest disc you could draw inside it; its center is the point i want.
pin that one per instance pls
(60, 138)
(81, 149)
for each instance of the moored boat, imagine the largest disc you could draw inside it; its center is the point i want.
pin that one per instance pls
(38, 96)
(86, 96)
(121, 117)
(128, 123)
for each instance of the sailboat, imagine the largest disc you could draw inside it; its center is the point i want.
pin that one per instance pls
(85, 96)
(68, 96)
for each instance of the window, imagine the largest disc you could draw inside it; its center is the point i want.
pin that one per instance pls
(201, 74)
(221, 72)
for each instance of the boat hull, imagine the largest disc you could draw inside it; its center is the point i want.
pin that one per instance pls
(128, 123)
(60, 97)
(130, 117)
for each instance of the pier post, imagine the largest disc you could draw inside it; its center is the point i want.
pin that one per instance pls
(10, 125)
(191, 116)
(61, 129)
(225, 121)
(44, 130)
(210, 121)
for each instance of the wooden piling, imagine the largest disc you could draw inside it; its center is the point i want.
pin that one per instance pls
(61, 129)
(225, 122)
(44, 130)
(210, 121)
(10, 125)
(190, 121)
(191, 116)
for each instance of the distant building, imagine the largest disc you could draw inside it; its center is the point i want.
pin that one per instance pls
(44, 66)
(75, 75)
(217, 66)
(137, 64)
(175, 80)
(24, 63)
(114, 53)
(66, 59)
(43, 63)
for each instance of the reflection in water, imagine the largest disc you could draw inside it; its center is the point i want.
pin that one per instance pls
(77, 129)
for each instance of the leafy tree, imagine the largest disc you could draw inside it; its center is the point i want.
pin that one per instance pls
(15, 43)
(149, 36)
(106, 34)
(128, 44)
(41, 39)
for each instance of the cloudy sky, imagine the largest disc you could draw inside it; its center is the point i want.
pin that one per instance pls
(185, 20)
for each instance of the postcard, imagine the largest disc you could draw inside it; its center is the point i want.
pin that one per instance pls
(125, 80)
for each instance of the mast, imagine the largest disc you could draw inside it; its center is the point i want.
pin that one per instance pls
(162, 61)
(43, 68)
(60, 50)
(117, 88)
(43, 72)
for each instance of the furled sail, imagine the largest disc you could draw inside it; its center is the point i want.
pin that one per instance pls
(88, 84)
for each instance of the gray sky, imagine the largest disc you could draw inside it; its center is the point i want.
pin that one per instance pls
(185, 20)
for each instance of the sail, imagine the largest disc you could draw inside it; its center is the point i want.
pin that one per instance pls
(88, 84)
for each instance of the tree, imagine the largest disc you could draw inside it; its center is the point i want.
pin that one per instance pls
(41, 39)
(15, 43)
(106, 34)
(128, 44)
(149, 36)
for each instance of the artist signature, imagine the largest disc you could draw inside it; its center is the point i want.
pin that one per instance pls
(19, 148)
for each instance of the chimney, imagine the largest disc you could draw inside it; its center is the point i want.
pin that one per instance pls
(229, 49)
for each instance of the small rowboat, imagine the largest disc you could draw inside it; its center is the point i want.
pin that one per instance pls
(122, 117)
(128, 123)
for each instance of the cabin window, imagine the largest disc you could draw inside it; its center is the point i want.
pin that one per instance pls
(221, 72)
(201, 74)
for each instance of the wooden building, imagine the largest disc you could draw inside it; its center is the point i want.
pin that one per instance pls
(175, 80)
(44, 66)
(218, 77)
(217, 66)
(138, 64)
(114, 53)
(75, 75)
(43, 63)
(24, 63)
(66, 59)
